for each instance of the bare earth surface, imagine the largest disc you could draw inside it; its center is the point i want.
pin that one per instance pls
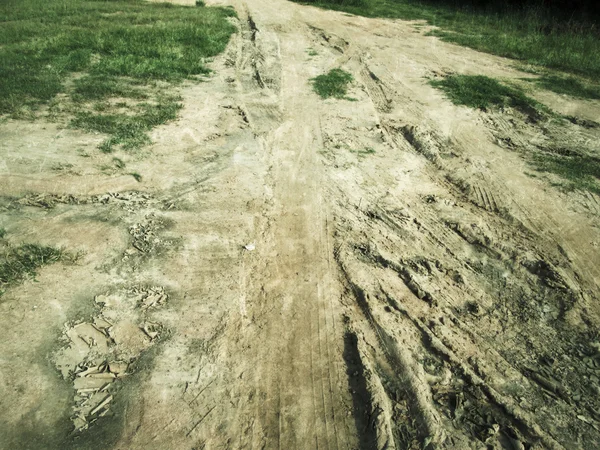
(293, 273)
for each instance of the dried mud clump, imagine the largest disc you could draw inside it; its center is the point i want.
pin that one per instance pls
(99, 353)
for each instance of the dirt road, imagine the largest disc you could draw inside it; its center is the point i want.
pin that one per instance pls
(296, 273)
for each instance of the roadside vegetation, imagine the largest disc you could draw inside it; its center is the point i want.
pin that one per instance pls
(481, 92)
(108, 64)
(577, 170)
(333, 84)
(531, 34)
(568, 85)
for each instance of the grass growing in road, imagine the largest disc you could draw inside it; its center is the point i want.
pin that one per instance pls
(23, 261)
(579, 171)
(332, 84)
(568, 85)
(118, 49)
(532, 34)
(362, 153)
(129, 129)
(136, 176)
(482, 92)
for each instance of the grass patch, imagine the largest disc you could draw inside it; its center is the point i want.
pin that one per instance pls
(99, 87)
(482, 92)
(530, 34)
(129, 130)
(136, 176)
(579, 171)
(569, 86)
(119, 50)
(332, 84)
(19, 263)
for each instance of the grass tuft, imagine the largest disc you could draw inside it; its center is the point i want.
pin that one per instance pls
(481, 92)
(119, 164)
(332, 84)
(136, 176)
(23, 261)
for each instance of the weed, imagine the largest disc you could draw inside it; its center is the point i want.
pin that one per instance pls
(61, 167)
(332, 84)
(137, 176)
(312, 52)
(200, 3)
(529, 34)
(364, 152)
(482, 92)
(2, 233)
(568, 85)
(119, 164)
(23, 261)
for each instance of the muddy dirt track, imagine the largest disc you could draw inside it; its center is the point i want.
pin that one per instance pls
(294, 273)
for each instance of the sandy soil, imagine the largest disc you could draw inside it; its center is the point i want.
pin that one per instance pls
(298, 273)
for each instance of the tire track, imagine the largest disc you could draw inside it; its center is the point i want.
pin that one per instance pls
(377, 90)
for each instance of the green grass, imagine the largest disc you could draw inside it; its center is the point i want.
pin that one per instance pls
(19, 263)
(129, 130)
(530, 35)
(118, 50)
(332, 84)
(478, 91)
(580, 172)
(568, 85)
(101, 87)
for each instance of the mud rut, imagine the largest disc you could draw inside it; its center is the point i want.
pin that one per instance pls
(299, 273)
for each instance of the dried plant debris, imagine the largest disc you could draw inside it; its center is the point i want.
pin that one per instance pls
(146, 236)
(129, 200)
(151, 297)
(99, 353)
